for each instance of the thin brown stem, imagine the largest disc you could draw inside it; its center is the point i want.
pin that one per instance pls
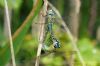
(28, 18)
(42, 29)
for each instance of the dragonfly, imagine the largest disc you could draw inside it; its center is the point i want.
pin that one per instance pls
(49, 34)
(49, 26)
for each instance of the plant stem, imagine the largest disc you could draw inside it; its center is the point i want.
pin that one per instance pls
(9, 32)
(42, 29)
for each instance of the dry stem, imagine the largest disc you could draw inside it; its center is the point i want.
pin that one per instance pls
(42, 29)
(9, 32)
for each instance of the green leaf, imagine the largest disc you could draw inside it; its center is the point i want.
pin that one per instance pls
(19, 35)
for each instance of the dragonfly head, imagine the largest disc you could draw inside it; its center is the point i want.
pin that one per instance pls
(50, 14)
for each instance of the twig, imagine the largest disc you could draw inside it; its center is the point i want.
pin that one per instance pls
(42, 29)
(61, 21)
(28, 18)
(9, 32)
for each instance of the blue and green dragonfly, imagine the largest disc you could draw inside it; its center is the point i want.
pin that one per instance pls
(50, 39)
(49, 26)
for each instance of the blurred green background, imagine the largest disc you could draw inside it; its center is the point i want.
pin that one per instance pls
(82, 18)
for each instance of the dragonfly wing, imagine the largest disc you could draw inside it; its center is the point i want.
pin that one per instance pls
(48, 40)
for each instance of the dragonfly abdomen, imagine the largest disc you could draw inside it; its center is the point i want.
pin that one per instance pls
(56, 43)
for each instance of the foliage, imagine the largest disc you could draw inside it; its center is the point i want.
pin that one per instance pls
(5, 52)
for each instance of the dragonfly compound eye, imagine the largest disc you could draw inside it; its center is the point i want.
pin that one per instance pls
(50, 13)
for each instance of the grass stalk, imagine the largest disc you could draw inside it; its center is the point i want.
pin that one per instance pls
(9, 33)
(42, 29)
